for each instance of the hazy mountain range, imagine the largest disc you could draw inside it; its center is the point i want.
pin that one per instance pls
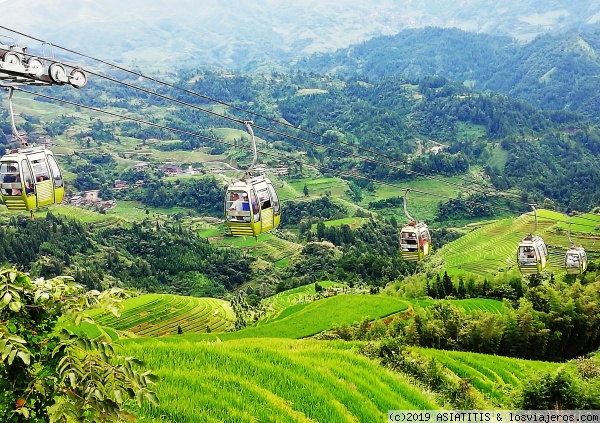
(256, 35)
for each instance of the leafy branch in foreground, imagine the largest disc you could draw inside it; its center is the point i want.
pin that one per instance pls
(51, 377)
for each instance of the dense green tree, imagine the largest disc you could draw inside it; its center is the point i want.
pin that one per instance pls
(46, 377)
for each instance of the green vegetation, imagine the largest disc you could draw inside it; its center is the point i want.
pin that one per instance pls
(487, 62)
(162, 314)
(307, 319)
(149, 255)
(491, 249)
(287, 298)
(262, 378)
(50, 377)
(495, 377)
(226, 348)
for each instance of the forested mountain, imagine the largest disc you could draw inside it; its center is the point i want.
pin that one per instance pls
(381, 128)
(554, 71)
(149, 256)
(396, 117)
(474, 140)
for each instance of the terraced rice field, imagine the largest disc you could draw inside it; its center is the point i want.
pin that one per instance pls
(492, 248)
(162, 314)
(304, 320)
(304, 380)
(483, 304)
(282, 300)
(267, 380)
(494, 376)
(268, 246)
(585, 223)
(469, 304)
(320, 186)
(353, 222)
(273, 249)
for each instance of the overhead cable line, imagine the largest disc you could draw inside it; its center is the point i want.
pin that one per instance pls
(305, 141)
(138, 74)
(323, 168)
(354, 155)
(487, 192)
(313, 143)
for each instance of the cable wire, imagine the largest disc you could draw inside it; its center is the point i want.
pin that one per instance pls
(140, 75)
(328, 170)
(266, 129)
(487, 192)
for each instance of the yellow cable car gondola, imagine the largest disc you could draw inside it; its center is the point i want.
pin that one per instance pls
(575, 258)
(30, 177)
(415, 240)
(532, 253)
(252, 205)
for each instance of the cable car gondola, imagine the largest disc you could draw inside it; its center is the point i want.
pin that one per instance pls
(532, 253)
(252, 205)
(29, 176)
(575, 258)
(415, 240)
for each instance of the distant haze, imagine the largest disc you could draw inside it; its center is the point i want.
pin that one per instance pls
(251, 35)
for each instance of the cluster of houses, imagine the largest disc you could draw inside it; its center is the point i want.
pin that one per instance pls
(89, 198)
(438, 148)
(43, 141)
(121, 184)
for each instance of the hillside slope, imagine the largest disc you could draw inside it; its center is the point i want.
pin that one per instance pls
(493, 248)
(554, 71)
(301, 381)
(272, 380)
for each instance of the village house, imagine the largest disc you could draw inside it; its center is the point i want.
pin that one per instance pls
(119, 184)
(141, 166)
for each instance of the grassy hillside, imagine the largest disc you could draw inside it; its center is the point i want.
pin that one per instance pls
(303, 380)
(267, 246)
(306, 319)
(251, 380)
(154, 315)
(162, 314)
(493, 376)
(257, 375)
(493, 248)
(282, 300)
(469, 304)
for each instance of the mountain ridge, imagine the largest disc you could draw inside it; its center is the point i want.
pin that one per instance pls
(552, 72)
(250, 36)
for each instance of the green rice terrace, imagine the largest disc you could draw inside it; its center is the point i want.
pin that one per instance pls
(255, 375)
(282, 300)
(267, 372)
(306, 319)
(493, 376)
(163, 314)
(492, 248)
(268, 246)
(259, 380)
(468, 304)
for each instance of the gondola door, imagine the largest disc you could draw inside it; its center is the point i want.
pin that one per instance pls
(57, 178)
(43, 184)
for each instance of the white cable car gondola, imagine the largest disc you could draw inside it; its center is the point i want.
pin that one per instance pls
(415, 240)
(575, 258)
(532, 253)
(29, 176)
(251, 204)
